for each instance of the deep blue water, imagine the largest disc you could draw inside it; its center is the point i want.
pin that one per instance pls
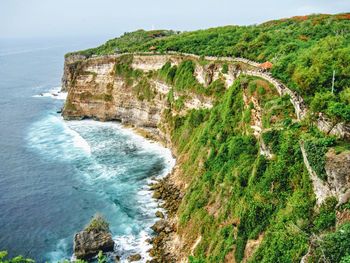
(55, 175)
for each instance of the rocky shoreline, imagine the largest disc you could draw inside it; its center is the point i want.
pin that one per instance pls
(165, 228)
(168, 195)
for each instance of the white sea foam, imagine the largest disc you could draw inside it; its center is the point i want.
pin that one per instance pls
(57, 139)
(129, 244)
(78, 140)
(54, 93)
(147, 146)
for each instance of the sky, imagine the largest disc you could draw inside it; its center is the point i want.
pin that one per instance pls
(110, 18)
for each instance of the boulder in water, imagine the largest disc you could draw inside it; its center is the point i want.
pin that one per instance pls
(159, 226)
(159, 214)
(94, 238)
(135, 257)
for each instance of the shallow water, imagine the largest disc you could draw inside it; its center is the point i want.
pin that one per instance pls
(55, 175)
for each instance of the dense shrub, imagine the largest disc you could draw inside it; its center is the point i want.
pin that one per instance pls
(224, 69)
(326, 217)
(123, 69)
(184, 78)
(264, 196)
(333, 247)
(18, 259)
(97, 223)
(143, 90)
(316, 149)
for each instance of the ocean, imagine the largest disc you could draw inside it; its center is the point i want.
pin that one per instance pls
(56, 175)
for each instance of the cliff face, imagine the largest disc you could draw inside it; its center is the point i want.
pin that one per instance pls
(337, 168)
(96, 91)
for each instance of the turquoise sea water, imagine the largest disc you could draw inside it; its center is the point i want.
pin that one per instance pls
(55, 175)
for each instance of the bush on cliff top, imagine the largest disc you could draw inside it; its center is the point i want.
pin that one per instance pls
(128, 41)
(97, 223)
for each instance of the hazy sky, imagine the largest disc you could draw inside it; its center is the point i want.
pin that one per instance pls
(48, 18)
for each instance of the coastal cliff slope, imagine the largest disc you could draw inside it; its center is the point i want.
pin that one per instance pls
(261, 167)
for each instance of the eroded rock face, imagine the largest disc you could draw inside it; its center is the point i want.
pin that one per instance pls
(67, 70)
(338, 174)
(338, 177)
(96, 91)
(321, 188)
(340, 129)
(88, 243)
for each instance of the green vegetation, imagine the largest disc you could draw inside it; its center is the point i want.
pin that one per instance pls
(216, 88)
(143, 90)
(181, 77)
(335, 247)
(337, 107)
(326, 217)
(235, 194)
(124, 70)
(127, 42)
(18, 259)
(101, 258)
(97, 223)
(224, 68)
(257, 196)
(184, 78)
(304, 50)
(316, 148)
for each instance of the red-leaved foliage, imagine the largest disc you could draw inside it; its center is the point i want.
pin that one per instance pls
(344, 16)
(300, 18)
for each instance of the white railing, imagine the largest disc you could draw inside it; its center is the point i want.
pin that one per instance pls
(342, 129)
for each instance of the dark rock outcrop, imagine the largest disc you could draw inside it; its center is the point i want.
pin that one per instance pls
(93, 239)
(135, 257)
(159, 214)
(165, 229)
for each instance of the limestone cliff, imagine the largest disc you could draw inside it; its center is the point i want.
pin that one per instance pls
(96, 91)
